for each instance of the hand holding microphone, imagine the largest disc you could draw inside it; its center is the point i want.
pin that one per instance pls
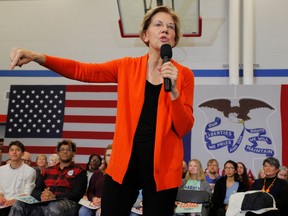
(171, 70)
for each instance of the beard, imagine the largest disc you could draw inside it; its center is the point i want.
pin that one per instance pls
(213, 172)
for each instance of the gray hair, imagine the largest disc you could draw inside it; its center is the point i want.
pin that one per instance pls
(272, 161)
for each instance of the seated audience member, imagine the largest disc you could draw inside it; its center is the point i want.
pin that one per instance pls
(243, 175)
(278, 188)
(27, 158)
(93, 164)
(225, 187)
(16, 178)
(195, 180)
(283, 173)
(184, 169)
(261, 174)
(41, 163)
(96, 185)
(53, 160)
(212, 172)
(63, 185)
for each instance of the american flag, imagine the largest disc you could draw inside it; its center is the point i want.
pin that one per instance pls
(41, 115)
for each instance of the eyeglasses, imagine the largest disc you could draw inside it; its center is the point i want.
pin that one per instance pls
(229, 168)
(65, 150)
(53, 161)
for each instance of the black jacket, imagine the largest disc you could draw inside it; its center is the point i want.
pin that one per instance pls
(219, 193)
(279, 191)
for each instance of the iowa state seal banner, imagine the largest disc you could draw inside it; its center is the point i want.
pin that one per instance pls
(244, 123)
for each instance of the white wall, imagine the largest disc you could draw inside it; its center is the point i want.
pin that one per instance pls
(88, 31)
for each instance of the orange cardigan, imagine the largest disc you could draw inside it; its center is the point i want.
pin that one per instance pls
(174, 118)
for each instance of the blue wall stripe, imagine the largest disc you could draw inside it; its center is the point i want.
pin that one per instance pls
(197, 73)
(28, 73)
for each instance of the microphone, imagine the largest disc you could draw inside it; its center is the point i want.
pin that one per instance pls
(166, 55)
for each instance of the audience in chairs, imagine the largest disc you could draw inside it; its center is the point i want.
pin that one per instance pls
(62, 185)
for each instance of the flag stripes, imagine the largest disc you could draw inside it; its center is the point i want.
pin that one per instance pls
(88, 119)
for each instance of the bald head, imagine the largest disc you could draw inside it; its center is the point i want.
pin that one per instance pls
(26, 158)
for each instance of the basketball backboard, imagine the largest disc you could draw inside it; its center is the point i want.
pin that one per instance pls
(132, 12)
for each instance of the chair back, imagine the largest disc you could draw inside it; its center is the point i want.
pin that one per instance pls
(257, 202)
(192, 196)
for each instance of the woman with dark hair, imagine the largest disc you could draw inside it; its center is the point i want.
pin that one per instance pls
(243, 175)
(225, 187)
(93, 164)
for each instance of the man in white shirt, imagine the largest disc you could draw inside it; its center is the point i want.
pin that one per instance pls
(16, 178)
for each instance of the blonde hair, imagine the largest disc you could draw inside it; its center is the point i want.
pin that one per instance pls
(211, 161)
(151, 13)
(200, 175)
(42, 155)
(104, 167)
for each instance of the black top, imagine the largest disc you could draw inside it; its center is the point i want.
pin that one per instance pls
(140, 168)
(219, 194)
(279, 190)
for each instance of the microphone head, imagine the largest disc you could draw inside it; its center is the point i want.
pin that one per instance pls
(166, 50)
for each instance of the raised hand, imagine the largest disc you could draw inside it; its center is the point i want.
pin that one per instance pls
(19, 57)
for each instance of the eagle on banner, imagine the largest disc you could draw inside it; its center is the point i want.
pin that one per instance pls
(240, 112)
